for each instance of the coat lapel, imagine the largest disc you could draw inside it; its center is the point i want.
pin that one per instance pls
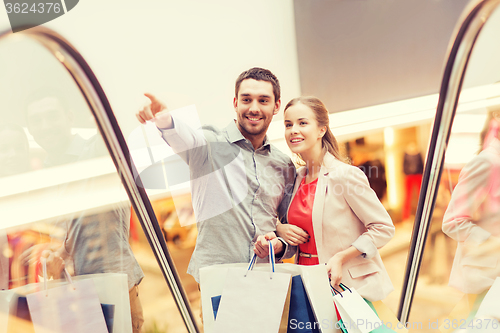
(317, 211)
(329, 162)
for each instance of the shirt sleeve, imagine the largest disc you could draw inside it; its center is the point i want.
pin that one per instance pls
(364, 203)
(188, 143)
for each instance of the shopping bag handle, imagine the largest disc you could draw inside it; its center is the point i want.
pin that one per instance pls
(271, 260)
(44, 272)
(335, 292)
(341, 285)
(344, 287)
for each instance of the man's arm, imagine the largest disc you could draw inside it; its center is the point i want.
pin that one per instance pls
(189, 144)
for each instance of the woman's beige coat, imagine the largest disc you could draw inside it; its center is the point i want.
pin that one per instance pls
(472, 218)
(346, 211)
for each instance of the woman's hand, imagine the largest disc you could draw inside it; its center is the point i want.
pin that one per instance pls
(292, 234)
(334, 265)
(334, 269)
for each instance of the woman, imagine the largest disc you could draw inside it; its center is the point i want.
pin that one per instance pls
(473, 216)
(334, 217)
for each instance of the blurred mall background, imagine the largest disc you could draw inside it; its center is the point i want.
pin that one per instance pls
(377, 65)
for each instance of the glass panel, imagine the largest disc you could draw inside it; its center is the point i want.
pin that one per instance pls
(461, 256)
(62, 200)
(392, 159)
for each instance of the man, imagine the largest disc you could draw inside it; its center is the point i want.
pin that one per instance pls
(96, 242)
(240, 183)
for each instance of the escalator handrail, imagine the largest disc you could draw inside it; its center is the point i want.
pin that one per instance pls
(115, 142)
(466, 32)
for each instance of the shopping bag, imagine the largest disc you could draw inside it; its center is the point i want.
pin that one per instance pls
(108, 310)
(489, 307)
(388, 317)
(71, 308)
(5, 301)
(20, 318)
(463, 312)
(386, 327)
(300, 316)
(284, 318)
(112, 290)
(356, 314)
(253, 301)
(215, 305)
(340, 323)
(314, 277)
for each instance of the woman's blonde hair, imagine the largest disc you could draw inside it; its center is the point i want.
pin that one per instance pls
(491, 127)
(328, 142)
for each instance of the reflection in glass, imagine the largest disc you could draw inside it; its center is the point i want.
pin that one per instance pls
(461, 256)
(60, 196)
(472, 218)
(14, 150)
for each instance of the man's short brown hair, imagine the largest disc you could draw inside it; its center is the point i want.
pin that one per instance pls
(260, 74)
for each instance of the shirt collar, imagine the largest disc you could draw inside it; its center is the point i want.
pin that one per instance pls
(234, 135)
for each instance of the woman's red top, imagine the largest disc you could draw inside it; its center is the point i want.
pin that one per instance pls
(300, 214)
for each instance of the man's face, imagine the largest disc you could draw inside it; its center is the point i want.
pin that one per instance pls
(255, 107)
(49, 124)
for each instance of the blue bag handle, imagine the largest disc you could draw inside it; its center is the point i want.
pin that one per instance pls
(271, 260)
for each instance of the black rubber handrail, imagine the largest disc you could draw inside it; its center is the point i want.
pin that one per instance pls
(120, 154)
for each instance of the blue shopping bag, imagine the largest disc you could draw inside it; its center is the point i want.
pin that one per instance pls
(300, 317)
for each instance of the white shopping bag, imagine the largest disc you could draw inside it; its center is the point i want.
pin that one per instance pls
(315, 279)
(490, 306)
(251, 300)
(74, 307)
(252, 303)
(111, 288)
(5, 301)
(356, 314)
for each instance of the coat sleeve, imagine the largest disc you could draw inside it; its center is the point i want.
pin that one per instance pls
(473, 188)
(369, 210)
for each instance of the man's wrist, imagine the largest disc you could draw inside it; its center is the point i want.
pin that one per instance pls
(164, 120)
(284, 246)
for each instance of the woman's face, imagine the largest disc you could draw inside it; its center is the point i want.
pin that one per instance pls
(302, 133)
(13, 152)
